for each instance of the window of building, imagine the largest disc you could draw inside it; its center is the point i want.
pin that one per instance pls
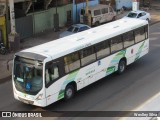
(72, 62)
(116, 44)
(102, 49)
(87, 56)
(128, 39)
(140, 34)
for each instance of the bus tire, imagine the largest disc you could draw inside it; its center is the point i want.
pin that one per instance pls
(69, 92)
(121, 66)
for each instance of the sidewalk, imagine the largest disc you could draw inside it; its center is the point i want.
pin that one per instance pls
(51, 35)
(6, 60)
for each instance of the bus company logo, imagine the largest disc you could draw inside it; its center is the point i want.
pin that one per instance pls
(6, 114)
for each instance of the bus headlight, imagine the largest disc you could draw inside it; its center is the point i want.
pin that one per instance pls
(39, 97)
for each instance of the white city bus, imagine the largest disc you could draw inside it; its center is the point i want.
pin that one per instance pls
(49, 72)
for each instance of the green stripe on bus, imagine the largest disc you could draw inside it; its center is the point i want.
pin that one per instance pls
(112, 68)
(139, 51)
(71, 77)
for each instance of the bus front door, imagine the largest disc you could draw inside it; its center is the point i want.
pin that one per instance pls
(53, 73)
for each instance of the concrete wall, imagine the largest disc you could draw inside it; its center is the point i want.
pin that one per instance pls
(76, 9)
(121, 3)
(44, 20)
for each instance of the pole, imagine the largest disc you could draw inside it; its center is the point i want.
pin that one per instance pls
(56, 6)
(135, 5)
(76, 12)
(7, 42)
(87, 17)
(12, 17)
(33, 19)
(56, 19)
(86, 7)
(14, 38)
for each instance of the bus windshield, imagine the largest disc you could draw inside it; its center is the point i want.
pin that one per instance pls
(28, 79)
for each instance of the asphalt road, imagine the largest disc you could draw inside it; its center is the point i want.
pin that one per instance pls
(124, 92)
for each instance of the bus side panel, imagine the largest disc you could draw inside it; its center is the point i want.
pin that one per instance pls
(52, 92)
(95, 71)
(143, 49)
(136, 51)
(83, 77)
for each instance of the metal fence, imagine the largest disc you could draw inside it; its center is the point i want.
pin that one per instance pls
(24, 26)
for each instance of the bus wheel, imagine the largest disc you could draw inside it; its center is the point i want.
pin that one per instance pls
(69, 92)
(121, 66)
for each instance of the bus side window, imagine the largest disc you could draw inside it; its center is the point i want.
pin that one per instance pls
(52, 73)
(72, 62)
(116, 44)
(140, 34)
(47, 76)
(102, 49)
(87, 56)
(128, 39)
(146, 31)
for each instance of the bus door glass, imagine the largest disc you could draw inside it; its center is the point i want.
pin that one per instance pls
(53, 72)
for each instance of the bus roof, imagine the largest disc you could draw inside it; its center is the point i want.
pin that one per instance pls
(75, 42)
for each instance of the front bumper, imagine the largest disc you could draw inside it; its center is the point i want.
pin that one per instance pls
(29, 99)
